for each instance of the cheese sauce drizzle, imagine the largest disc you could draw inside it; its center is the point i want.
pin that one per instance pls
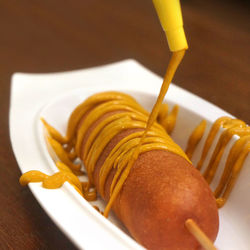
(172, 67)
(236, 156)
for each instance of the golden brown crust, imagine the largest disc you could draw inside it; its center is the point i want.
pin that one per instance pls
(160, 193)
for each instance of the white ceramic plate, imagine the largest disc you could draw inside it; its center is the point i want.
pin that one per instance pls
(54, 96)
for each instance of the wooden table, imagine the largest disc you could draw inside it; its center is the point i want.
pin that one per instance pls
(49, 36)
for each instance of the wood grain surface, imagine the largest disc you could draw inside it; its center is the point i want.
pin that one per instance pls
(50, 36)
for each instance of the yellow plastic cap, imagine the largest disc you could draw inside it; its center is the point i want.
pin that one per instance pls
(169, 13)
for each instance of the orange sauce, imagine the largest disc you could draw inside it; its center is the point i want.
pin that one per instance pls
(235, 159)
(194, 138)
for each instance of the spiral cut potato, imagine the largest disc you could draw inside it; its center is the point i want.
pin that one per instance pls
(156, 196)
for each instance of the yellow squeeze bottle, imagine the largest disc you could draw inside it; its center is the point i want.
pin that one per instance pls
(169, 13)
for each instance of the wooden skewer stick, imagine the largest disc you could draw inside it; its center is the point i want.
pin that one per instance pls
(199, 235)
